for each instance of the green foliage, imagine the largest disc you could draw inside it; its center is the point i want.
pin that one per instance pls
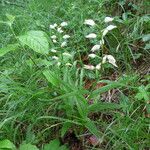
(27, 147)
(36, 40)
(6, 144)
(52, 77)
(8, 48)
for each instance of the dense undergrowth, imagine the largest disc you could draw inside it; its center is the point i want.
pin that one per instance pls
(57, 94)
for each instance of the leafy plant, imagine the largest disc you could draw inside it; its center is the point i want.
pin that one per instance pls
(53, 145)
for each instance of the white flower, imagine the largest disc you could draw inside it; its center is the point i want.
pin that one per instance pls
(105, 32)
(95, 48)
(68, 64)
(101, 42)
(111, 27)
(54, 41)
(91, 36)
(92, 55)
(67, 54)
(53, 37)
(98, 66)
(63, 44)
(108, 19)
(63, 24)
(66, 36)
(55, 57)
(89, 22)
(89, 67)
(53, 50)
(53, 26)
(58, 64)
(110, 59)
(59, 30)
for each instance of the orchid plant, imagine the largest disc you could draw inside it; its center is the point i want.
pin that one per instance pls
(60, 39)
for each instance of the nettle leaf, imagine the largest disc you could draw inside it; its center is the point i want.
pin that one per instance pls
(36, 40)
(8, 48)
(28, 147)
(6, 144)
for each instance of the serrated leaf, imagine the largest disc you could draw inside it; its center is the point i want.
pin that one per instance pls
(36, 40)
(6, 144)
(28, 147)
(8, 48)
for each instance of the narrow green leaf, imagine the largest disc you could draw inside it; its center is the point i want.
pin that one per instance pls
(92, 128)
(106, 88)
(51, 77)
(65, 128)
(101, 106)
(36, 40)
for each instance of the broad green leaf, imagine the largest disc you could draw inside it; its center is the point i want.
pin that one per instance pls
(54, 145)
(8, 48)
(101, 106)
(36, 40)
(28, 147)
(6, 144)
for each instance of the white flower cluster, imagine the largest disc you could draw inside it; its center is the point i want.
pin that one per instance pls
(59, 29)
(97, 47)
(57, 36)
